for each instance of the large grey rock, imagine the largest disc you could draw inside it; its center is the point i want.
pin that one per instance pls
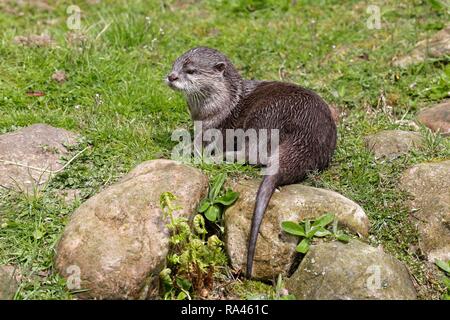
(429, 185)
(117, 241)
(275, 249)
(354, 270)
(435, 47)
(390, 144)
(39, 146)
(437, 118)
(8, 283)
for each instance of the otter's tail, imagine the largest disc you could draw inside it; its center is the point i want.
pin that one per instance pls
(265, 191)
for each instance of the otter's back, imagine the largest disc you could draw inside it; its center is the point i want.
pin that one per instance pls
(284, 106)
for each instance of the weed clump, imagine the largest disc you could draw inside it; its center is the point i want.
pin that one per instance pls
(194, 258)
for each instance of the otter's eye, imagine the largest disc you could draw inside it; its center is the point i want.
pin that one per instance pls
(191, 71)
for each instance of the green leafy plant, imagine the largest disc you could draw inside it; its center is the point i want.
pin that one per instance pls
(308, 229)
(445, 266)
(193, 259)
(218, 199)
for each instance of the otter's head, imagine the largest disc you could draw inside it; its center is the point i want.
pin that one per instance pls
(201, 71)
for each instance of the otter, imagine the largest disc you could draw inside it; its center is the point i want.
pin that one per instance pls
(219, 97)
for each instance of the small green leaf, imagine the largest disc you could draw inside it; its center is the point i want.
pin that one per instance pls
(303, 246)
(324, 220)
(447, 282)
(342, 237)
(321, 232)
(213, 213)
(38, 234)
(312, 231)
(214, 241)
(228, 199)
(216, 185)
(293, 228)
(307, 226)
(204, 205)
(183, 283)
(182, 296)
(341, 90)
(443, 265)
(199, 224)
(166, 280)
(436, 4)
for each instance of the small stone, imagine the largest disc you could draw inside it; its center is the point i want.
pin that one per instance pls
(204, 293)
(34, 40)
(435, 47)
(390, 144)
(28, 155)
(354, 270)
(429, 186)
(8, 282)
(59, 76)
(334, 113)
(437, 118)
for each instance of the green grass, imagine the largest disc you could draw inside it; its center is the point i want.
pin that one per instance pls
(116, 99)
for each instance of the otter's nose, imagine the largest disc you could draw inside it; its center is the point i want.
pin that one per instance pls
(172, 77)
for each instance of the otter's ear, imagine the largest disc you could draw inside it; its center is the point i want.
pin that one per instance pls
(220, 66)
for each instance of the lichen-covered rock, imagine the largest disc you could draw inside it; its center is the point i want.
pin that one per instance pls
(435, 47)
(429, 186)
(39, 146)
(8, 283)
(437, 118)
(390, 144)
(275, 249)
(355, 270)
(117, 241)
